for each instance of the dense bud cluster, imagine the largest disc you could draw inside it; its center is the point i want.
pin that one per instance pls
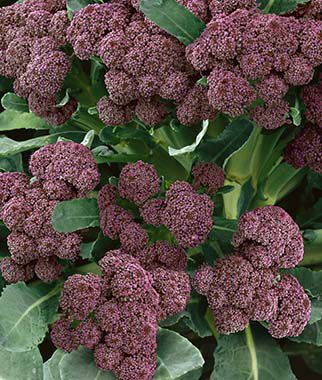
(306, 149)
(117, 313)
(187, 214)
(208, 175)
(145, 63)
(31, 35)
(247, 286)
(64, 170)
(250, 55)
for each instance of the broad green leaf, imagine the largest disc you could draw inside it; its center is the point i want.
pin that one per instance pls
(80, 365)
(313, 360)
(178, 358)
(309, 279)
(312, 217)
(250, 355)
(5, 84)
(9, 147)
(223, 229)
(21, 365)
(193, 316)
(312, 334)
(97, 248)
(74, 215)
(11, 164)
(11, 101)
(76, 5)
(191, 148)
(88, 139)
(281, 6)
(25, 312)
(245, 198)
(173, 18)
(10, 120)
(231, 140)
(51, 366)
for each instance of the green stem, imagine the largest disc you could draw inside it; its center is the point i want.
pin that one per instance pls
(211, 323)
(268, 6)
(88, 268)
(252, 350)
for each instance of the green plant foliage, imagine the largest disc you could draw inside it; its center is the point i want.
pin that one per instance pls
(11, 101)
(21, 365)
(249, 356)
(25, 312)
(173, 18)
(280, 6)
(313, 217)
(228, 142)
(10, 120)
(51, 366)
(75, 215)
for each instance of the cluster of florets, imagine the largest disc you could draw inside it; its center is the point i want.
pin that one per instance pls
(145, 64)
(247, 286)
(306, 149)
(312, 96)
(31, 35)
(249, 55)
(62, 171)
(116, 315)
(187, 214)
(208, 175)
(311, 9)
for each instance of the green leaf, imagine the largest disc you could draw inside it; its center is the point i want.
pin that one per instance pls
(11, 101)
(10, 120)
(76, 5)
(178, 358)
(21, 365)
(92, 111)
(250, 355)
(88, 139)
(312, 334)
(173, 18)
(9, 147)
(5, 84)
(313, 360)
(80, 365)
(193, 316)
(309, 279)
(191, 148)
(77, 214)
(51, 366)
(11, 164)
(223, 229)
(312, 217)
(231, 140)
(25, 312)
(97, 248)
(245, 198)
(281, 6)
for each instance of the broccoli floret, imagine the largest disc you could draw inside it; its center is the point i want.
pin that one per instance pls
(312, 96)
(151, 211)
(306, 149)
(133, 238)
(13, 272)
(208, 175)
(138, 182)
(112, 219)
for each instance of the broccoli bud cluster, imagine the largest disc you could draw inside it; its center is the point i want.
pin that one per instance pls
(31, 35)
(145, 65)
(247, 285)
(116, 315)
(250, 55)
(187, 214)
(62, 171)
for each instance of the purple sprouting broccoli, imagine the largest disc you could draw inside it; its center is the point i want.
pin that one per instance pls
(272, 88)
(188, 215)
(174, 290)
(294, 309)
(299, 72)
(106, 196)
(151, 211)
(137, 367)
(198, 7)
(195, 107)
(63, 336)
(312, 96)
(113, 218)
(208, 175)
(151, 112)
(311, 45)
(306, 149)
(138, 182)
(273, 238)
(48, 269)
(271, 116)
(33, 34)
(88, 334)
(13, 272)
(113, 114)
(133, 237)
(229, 6)
(11, 185)
(66, 161)
(107, 358)
(81, 295)
(229, 92)
(162, 254)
